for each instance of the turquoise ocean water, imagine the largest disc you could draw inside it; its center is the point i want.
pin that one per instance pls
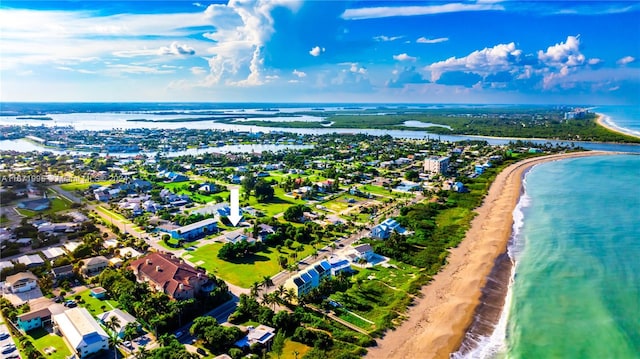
(575, 290)
(625, 118)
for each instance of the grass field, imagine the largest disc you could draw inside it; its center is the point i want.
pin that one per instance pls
(113, 214)
(243, 272)
(290, 350)
(57, 205)
(380, 294)
(278, 205)
(82, 186)
(93, 305)
(42, 340)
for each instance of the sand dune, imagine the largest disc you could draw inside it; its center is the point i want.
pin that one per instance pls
(438, 321)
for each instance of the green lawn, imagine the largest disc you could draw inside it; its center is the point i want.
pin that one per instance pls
(377, 190)
(82, 186)
(340, 203)
(243, 272)
(290, 348)
(279, 204)
(381, 295)
(113, 214)
(57, 205)
(42, 340)
(93, 305)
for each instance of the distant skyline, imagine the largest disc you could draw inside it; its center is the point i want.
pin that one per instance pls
(485, 51)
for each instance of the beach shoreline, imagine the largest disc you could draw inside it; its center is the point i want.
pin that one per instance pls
(439, 321)
(602, 122)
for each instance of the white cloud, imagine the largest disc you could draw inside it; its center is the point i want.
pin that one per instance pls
(356, 69)
(119, 69)
(424, 40)
(299, 74)
(626, 60)
(594, 61)
(389, 11)
(242, 30)
(316, 51)
(404, 57)
(383, 38)
(563, 54)
(176, 49)
(197, 70)
(560, 59)
(486, 61)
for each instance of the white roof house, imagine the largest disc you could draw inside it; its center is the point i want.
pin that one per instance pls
(31, 260)
(124, 318)
(84, 334)
(71, 246)
(53, 252)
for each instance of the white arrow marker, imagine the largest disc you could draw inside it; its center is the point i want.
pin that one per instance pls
(235, 216)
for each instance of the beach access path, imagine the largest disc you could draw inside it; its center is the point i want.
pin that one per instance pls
(438, 321)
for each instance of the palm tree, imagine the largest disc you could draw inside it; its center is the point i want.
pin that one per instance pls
(289, 295)
(266, 299)
(255, 290)
(267, 282)
(142, 353)
(165, 339)
(113, 324)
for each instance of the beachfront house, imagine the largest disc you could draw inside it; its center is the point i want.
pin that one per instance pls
(384, 229)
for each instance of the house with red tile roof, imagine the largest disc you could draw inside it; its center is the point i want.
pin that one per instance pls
(170, 275)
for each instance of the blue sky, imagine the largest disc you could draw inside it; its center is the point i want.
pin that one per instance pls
(483, 51)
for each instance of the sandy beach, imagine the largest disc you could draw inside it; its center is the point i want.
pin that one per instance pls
(439, 320)
(600, 121)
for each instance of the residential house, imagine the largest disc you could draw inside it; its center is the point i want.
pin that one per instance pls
(459, 187)
(53, 252)
(303, 282)
(170, 275)
(35, 205)
(98, 293)
(264, 230)
(235, 237)
(339, 265)
(34, 320)
(123, 317)
(261, 334)
(62, 272)
(94, 265)
(81, 331)
(31, 260)
(21, 282)
(384, 229)
(196, 230)
(364, 252)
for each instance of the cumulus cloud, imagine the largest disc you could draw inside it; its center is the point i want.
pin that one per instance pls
(299, 74)
(383, 38)
(316, 51)
(176, 49)
(355, 68)
(501, 57)
(404, 57)
(424, 40)
(561, 59)
(242, 30)
(626, 60)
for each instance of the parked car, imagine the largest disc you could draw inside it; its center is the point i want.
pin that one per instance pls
(179, 334)
(8, 348)
(4, 335)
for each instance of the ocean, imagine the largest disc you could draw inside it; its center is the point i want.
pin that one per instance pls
(575, 286)
(624, 118)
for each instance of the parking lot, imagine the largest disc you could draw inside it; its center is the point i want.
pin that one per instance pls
(5, 344)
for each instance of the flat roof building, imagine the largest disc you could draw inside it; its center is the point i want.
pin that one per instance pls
(83, 333)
